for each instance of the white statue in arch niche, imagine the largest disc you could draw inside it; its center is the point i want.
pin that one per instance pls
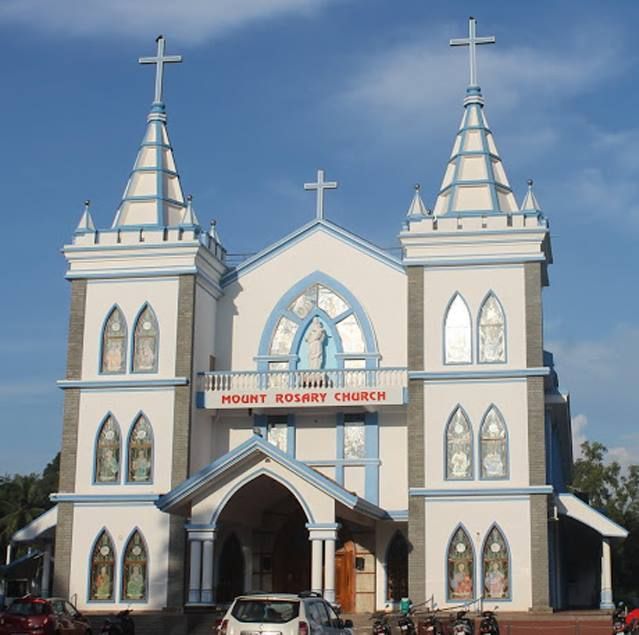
(315, 338)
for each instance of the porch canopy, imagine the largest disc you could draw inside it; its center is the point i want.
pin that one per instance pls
(571, 505)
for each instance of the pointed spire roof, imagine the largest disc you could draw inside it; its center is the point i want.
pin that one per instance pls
(530, 203)
(86, 223)
(190, 217)
(417, 209)
(153, 193)
(475, 181)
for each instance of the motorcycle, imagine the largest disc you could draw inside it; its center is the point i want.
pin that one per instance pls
(381, 625)
(462, 624)
(488, 624)
(406, 625)
(619, 619)
(120, 624)
(431, 625)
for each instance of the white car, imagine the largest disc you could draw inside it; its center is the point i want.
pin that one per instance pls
(283, 614)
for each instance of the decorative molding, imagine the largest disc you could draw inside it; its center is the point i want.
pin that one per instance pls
(515, 373)
(497, 491)
(64, 384)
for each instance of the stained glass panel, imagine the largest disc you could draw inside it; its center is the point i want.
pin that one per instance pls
(460, 567)
(354, 438)
(145, 342)
(102, 568)
(304, 304)
(134, 576)
(496, 566)
(492, 347)
(140, 451)
(351, 335)
(114, 343)
(493, 446)
(283, 337)
(457, 337)
(277, 432)
(459, 462)
(107, 468)
(330, 302)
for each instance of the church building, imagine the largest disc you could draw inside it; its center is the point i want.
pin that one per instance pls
(324, 415)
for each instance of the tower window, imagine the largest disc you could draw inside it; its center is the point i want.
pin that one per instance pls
(114, 337)
(457, 333)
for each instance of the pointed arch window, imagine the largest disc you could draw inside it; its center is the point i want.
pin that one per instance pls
(496, 566)
(397, 568)
(135, 569)
(493, 445)
(114, 337)
(107, 452)
(492, 332)
(140, 452)
(457, 333)
(145, 342)
(461, 565)
(459, 447)
(102, 568)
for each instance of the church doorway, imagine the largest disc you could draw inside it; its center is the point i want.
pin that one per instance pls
(292, 556)
(345, 576)
(231, 577)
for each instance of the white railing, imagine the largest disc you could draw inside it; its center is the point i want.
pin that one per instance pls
(301, 380)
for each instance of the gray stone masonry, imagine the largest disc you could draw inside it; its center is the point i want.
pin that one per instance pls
(534, 325)
(539, 552)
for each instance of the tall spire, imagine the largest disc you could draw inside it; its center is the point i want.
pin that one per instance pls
(475, 181)
(153, 194)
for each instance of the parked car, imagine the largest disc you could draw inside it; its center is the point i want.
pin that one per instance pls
(38, 616)
(283, 614)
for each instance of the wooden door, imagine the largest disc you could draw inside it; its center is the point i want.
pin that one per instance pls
(345, 577)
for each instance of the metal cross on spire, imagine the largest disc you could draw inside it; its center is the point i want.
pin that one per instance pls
(160, 60)
(471, 42)
(320, 186)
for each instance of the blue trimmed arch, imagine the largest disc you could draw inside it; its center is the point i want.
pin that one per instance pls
(471, 456)
(132, 339)
(491, 294)
(107, 533)
(454, 297)
(473, 572)
(371, 353)
(499, 414)
(122, 562)
(126, 451)
(96, 440)
(113, 309)
(484, 543)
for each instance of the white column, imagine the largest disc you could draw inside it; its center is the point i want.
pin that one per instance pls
(194, 573)
(207, 572)
(316, 565)
(329, 569)
(45, 582)
(8, 556)
(606, 576)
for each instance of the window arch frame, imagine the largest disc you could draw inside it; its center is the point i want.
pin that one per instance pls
(471, 454)
(489, 294)
(114, 307)
(398, 533)
(127, 451)
(370, 355)
(104, 531)
(506, 476)
(96, 442)
(452, 300)
(132, 344)
(122, 595)
(495, 526)
(473, 571)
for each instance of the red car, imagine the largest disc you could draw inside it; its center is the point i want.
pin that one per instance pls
(37, 616)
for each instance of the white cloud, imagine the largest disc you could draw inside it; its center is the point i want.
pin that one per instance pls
(579, 424)
(190, 20)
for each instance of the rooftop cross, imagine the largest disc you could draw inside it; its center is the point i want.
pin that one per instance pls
(471, 42)
(320, 186)
(160, 60)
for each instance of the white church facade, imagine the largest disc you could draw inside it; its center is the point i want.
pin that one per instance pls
(325, 415)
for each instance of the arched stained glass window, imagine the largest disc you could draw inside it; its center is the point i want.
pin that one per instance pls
(457, 333)
(496, 566)
(397, 568)
(114, 343)
(459, 447)
(102, 568)
(321, 296)
(461, 566)
(134, 571)
(140, 452)
(492, 341)
(493, 445)
(107, 452)
(145, 342)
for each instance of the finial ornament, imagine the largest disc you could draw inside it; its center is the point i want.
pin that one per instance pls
(530, 184)
(87, 204)
(320, 185)
(417, 187)
(160, 60)
(471, 42)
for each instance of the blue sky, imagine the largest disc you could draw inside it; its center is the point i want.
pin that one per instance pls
(269, 91)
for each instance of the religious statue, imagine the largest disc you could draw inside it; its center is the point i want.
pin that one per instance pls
(315, 338)
(140, 467)
(495, 581)
(135, 583)
(459, 464)
(103, 584)
(145, 354)
(461, 584)
(109, 466)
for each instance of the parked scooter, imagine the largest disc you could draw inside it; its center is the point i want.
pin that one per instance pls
(430, 625)
(619, 619)
(120, 624)
(381, 624)
(406, 625)
(462, 624)
(488, 624)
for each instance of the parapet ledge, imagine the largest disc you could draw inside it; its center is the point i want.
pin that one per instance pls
(476, 222)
